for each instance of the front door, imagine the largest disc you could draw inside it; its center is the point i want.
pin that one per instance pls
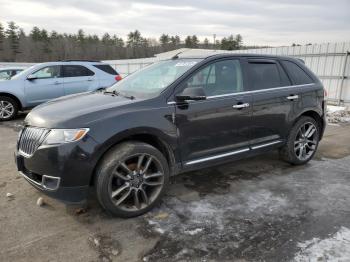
(45, 84)
(217, 128)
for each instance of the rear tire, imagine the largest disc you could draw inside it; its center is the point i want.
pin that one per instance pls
(302, 141)
(131, 179)
(8, 108)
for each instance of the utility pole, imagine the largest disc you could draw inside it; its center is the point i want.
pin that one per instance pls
(214, 36)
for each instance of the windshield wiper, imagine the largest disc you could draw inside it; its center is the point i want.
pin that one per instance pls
(129, 97)
(116, 93)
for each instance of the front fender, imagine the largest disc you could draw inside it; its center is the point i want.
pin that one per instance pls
(14, 88)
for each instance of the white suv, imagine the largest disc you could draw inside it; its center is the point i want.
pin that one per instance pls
(46, 81)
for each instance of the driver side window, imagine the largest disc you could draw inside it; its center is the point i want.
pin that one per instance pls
(47, 72)
(218, 78)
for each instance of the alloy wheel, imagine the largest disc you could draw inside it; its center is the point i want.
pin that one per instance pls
(6, 109)
(306, 141)
(136, 182)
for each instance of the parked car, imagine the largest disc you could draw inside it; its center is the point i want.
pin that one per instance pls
(171, 117)
(7, 72)
(43, 82)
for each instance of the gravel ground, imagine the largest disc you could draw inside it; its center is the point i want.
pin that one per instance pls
(259, 209)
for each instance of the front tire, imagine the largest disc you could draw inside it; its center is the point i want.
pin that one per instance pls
(131, 179)
(302, 141)
(8, 108)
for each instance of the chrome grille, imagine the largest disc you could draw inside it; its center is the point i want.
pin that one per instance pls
(31, 138)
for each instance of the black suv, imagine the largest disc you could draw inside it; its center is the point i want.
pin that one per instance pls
(174, 116)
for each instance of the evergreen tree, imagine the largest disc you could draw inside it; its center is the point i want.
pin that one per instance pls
(206, 43)
(164, 40)
(106, 39)
(229, 43)
(35, 34)
(175, 41)
(134, 39)
(2, 37)
(11, 34)
(40, 45)
(195, 41)
(188, 42)
(239, 41)
(81, 36)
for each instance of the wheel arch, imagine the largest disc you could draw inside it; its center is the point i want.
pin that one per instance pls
(14, 98)
(315, 115)
(151, 138)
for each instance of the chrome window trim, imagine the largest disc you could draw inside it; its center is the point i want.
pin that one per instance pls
(200, 160)
(249, 92)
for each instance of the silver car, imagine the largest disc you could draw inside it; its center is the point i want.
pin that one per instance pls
(46, 81)
(7, 72)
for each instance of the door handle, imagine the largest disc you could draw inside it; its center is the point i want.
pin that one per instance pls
(292, 97)
(90, 80)
(239, 106)
(56, 83)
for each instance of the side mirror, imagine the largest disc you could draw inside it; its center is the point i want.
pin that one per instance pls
(31, 77)
(192, 93)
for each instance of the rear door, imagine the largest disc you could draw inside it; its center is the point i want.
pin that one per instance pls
(311, 91)
(46, 84)
(217, 128)
(78, 79)
(275, 102)
(107, 76)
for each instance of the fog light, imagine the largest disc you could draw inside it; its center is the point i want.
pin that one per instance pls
(50, 182)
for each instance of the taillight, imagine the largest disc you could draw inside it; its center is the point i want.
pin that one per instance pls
(325, 93)
(118, 77)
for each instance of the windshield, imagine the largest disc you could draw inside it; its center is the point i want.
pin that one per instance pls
(24, 72)
(152, 80)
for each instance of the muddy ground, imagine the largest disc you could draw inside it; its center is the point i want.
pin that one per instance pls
(259, 209)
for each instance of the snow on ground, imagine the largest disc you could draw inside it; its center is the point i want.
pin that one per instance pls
(335, 248)
(338, 114)
(229, 214)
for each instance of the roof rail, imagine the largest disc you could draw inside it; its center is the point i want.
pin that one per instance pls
(79, 60)
(301, 60)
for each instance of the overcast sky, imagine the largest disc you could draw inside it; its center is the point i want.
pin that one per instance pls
(260, 22)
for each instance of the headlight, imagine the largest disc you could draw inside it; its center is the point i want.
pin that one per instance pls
(61, 136)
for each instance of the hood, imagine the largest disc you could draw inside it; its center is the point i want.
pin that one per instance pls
(76, 111)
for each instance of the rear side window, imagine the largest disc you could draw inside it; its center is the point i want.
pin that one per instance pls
(298, 75)
(107, 69)
(264, 75)
(76, 71)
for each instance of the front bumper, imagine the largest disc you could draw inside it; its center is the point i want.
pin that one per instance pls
(63, 172)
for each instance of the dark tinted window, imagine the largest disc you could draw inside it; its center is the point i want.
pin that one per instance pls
(223, 77)
(76, 71)
(297, 74)
(107, 68)
(266, 75)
